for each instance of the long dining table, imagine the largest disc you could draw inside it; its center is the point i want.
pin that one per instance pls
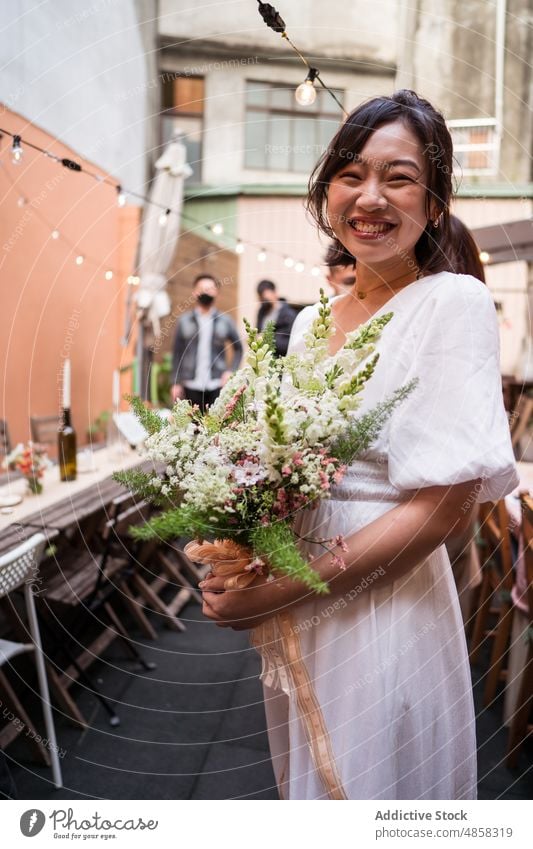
(64, 504)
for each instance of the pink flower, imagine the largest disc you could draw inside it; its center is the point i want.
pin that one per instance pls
(339, 541)
(286, 470)
(338, 561)
(230, 406)
(256, 566)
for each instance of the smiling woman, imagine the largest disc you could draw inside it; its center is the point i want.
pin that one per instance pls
(383, 708)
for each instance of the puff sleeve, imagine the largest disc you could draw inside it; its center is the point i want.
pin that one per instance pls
(453, 427)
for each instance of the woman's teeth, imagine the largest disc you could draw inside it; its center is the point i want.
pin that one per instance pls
(365, 227)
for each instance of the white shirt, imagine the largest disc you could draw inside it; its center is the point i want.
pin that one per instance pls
(202, 378)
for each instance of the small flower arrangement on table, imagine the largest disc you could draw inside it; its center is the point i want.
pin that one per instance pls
(31, 460)
(275, 441)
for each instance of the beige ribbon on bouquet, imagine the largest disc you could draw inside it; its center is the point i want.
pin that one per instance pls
(229, 560)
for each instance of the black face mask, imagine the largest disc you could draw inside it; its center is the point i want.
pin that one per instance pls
(205, 300)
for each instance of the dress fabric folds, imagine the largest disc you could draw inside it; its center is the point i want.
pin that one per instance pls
(389, 664)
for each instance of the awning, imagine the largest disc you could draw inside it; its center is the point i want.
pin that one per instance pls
(506, 242)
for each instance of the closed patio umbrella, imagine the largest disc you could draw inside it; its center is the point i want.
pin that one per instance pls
(159, 236)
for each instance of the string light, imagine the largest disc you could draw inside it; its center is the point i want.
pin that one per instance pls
(16, 151)
(299, 267)
(274, 21)
(55, 234)
(484, 257)
(305, 94)
(315, 271)
(108, 275)
(133, 280)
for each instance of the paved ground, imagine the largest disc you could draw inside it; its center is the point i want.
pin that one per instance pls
(195, 729)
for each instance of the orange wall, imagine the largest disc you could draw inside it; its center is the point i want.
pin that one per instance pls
(50, 307)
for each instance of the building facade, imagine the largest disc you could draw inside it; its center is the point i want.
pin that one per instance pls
(227, 82)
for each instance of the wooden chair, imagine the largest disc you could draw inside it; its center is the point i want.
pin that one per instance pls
(5, 442)
(43, 430)
(520, 727)
(152, 572)
(18, 568)
(495, 592)
(519, 421)
(85, 582)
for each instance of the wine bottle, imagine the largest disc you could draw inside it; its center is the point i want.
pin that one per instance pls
(66, 448)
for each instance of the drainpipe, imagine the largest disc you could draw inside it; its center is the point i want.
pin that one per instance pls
(499, 70)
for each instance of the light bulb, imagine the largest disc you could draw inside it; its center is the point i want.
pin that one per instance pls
(109, 275)
(133, 280)
(289, 262)
(79, 259)
(261, 256)
(217, 229)
(16, 151)
(305, 94)
(239, 247)
(484, 257)
(163, 219)
(315, 271)
(55, 234)
(299, 267)
(121, 197)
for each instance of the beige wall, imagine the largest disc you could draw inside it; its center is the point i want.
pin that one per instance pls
(282, 225)
(50, 307)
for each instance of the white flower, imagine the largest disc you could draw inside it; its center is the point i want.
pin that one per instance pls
(248, 473)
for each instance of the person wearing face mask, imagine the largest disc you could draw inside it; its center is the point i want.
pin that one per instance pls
(199, 362)
(275, 309)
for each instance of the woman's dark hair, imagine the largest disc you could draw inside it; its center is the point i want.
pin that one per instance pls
(465, 259)
(199, 277)
(433, 250)
(337, 255)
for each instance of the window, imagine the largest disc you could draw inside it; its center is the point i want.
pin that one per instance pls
(281, 135)
(475, 145)
(183, 109)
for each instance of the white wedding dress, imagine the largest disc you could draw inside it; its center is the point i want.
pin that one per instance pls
(389, 665)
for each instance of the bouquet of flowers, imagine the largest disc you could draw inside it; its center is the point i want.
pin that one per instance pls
(275, 441)
(31, 460)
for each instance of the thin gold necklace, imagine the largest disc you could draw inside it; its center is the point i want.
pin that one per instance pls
(362, 295)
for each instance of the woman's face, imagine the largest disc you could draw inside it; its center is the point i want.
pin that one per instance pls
(377, 201)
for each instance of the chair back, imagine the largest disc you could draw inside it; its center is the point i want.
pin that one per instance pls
(44, 429)
(527, 531)
(494, 528)
(18, 564)
(520, 420)
(5, 442)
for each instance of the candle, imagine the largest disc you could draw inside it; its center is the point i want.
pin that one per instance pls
(66, 385)
(116, 389)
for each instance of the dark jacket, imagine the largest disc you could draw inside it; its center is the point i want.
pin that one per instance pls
(282, 324)
(186, 346)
